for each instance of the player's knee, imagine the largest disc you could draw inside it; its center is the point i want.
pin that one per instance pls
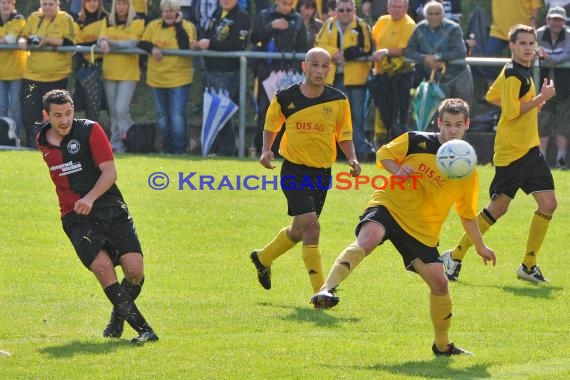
(134, 275)
(548, 207)
(439, 286)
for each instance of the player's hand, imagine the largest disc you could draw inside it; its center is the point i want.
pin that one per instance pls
(548, 90)
(83, 206)
(487, 254)
(266, 158)
(355, 168)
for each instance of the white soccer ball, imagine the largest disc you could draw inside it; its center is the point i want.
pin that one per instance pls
(456, 159)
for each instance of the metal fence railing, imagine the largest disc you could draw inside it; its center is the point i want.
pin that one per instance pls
(243, 57)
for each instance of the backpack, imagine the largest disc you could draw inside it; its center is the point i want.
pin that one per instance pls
(8, 132)
(140, 138)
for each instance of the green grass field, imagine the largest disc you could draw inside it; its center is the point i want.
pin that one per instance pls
(215, 321)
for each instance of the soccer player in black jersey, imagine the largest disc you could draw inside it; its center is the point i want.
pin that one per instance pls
(94, 214)
(316, 117)
(519, 164)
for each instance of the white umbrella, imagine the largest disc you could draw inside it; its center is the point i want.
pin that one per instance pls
(218, 109)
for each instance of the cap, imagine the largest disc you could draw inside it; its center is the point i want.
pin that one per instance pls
(556, 12)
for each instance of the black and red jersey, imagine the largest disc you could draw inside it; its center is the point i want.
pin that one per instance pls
(74, 165)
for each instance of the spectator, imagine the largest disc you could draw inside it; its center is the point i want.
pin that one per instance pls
(307, 10)
(554, 48)
(12, 63)
(121, 72)
(141, 8)
(452, 9)
(276, 29)
(186, 9)
(90, 20)
(559, 3)
(45, 70)
(228, 31)
(505, 14)
(170, 77)
(201, 14)
(74, 7)
(373, 9)
(393, 76)
(434, 43)
(330, 10)
(347, 37)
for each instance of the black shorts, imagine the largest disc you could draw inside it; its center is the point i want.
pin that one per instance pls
(530, 173)
(109, 228)
(304, 187)
(409, 247)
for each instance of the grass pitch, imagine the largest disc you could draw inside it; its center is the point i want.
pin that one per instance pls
(215, 321)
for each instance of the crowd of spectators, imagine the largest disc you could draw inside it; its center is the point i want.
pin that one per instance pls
(390, 33)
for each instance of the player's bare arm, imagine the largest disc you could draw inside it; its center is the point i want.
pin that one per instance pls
(105, 181)
(266, 153)
(347, 148)
(471, 229)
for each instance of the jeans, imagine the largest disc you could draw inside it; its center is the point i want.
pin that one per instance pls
(32, 105)
(171, 107)
(10, 102)
(356, 96)
(225, 143)
(119, 95)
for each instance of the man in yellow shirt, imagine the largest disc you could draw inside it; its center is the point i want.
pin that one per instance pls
(46, 70)
(411, 217)
(316, 118)
(519, 163)
(347, 38)
(393, 76)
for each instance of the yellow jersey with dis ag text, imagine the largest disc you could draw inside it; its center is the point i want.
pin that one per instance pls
(421, 204)
(313, 126)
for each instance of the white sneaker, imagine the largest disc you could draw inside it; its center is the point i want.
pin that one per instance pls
(535, 275)
(452, 267)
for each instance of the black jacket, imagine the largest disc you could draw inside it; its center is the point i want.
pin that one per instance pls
(227, 34)
(292, 39)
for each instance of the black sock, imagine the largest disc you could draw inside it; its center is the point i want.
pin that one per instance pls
(133, 289)
(125, 307)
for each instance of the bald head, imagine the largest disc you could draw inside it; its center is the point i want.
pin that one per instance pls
(317, 53)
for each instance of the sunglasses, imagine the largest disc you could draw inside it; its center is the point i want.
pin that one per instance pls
(344, 10)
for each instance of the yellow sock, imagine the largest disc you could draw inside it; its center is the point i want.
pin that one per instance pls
(440, 312)
(312, 259)
(484, 221)
(276, 247)
(536, 233)
(344, 264)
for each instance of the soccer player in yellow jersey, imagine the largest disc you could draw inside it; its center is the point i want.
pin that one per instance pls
(519, 164)
(411, 217)
(316, 117)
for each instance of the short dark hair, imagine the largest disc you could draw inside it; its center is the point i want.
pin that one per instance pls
(56, 97)
(454, 106)
(520, 28)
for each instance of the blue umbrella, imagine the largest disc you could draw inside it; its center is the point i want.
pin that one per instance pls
(427, 98)
(218, 109)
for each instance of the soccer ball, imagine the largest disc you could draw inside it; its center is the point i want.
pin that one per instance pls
(456, 159)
